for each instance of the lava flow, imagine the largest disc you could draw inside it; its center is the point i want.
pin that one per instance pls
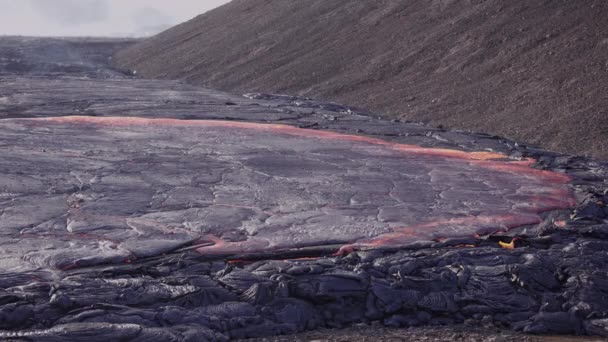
(244, 188)
(218, 228)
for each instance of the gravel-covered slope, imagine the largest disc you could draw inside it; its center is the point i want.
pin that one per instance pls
(532, 70)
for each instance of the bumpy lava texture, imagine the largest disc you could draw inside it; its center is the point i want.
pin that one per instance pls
(152, 210)
(121, 189)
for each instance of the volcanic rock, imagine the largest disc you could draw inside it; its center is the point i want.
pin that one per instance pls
(135, 209)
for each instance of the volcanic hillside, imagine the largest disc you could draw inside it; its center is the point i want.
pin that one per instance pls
(532, 70)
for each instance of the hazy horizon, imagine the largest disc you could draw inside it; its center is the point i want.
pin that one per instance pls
(97, 18)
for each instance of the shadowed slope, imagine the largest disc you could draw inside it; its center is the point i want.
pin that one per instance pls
(530, 70)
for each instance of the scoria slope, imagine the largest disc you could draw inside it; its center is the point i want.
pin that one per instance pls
(535, 71)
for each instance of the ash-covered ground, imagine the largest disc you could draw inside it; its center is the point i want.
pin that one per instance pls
(135, 209)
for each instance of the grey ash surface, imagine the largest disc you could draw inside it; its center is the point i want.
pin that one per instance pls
(93, 217)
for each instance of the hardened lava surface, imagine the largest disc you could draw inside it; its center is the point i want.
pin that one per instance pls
(143, 210)
(120, 189)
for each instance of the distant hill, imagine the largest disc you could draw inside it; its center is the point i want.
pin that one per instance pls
(532, 70)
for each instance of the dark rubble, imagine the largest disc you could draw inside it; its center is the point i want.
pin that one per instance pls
(136, 209)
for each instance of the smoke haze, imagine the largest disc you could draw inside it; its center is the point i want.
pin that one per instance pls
(97, 17)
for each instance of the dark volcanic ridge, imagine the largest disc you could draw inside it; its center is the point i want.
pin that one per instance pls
(142, 210)
(535, 71)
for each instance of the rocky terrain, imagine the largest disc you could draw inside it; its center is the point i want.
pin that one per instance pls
(139, 209)
(534, 71)
(379, 333)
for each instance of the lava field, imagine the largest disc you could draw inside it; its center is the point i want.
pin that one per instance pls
(136, 209)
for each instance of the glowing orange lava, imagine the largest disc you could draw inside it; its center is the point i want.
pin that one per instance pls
(510, 245)
(277, 128)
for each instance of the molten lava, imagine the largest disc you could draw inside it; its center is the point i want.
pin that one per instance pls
(509, 245)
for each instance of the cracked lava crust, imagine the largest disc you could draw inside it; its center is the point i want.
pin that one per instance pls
(119, 189)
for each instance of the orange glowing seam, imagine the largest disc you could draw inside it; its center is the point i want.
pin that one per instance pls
(491, 160)
(279, 128)
(403, 236)
(483, 158)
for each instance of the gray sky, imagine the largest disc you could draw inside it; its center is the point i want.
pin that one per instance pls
(97, 17)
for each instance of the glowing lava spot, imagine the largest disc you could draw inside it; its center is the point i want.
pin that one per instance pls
(509, 245)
